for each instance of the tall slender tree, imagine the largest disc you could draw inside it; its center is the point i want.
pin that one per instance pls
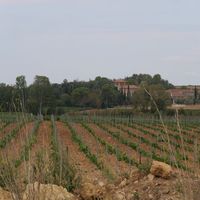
(21, 88)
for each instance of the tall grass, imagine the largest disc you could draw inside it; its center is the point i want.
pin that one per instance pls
(63, 172)
(186, 186)
(45, 167)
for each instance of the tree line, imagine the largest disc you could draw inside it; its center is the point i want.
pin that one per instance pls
(138, 79)
(44, 97)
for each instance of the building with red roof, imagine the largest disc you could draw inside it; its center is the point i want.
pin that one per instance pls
(125, 88)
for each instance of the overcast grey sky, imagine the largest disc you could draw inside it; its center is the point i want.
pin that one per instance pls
(80, 39)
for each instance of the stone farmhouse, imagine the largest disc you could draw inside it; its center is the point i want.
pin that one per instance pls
(179, 94)
(184, 94)
(125, 88)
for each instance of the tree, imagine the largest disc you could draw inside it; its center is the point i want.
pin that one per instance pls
(109, 95)
(6, 97)
(40, 93)
(21, 88)
(66, 86)
(65, 100)
(156, 79)
(145, 98)
(160, 97)
(99, 83)
(43, 97)
(94, 100)
(141, 100)
(140, 79)
(195, 94)
(80, 96)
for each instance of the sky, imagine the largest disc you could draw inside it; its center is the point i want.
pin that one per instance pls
(82, 39)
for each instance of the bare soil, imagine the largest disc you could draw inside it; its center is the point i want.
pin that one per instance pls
(87, 170)
(118, 168)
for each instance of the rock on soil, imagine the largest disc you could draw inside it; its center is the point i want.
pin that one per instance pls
(4, 195)
(89, 191)
(133, 188)
(160, 169)
(44, 192)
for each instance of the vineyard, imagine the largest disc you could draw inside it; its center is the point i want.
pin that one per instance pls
(70, 150)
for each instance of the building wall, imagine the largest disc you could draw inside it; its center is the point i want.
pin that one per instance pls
(123, 86)
(183, 94)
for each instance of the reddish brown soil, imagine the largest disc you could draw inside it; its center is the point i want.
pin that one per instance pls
(87, 170)
(7, 129)
(146, 136)
(190, 163)
(143, 146)
(2, 127)
(41, 146)
(151, 138)
(172, 139)
(1, 124)
(190, 134)
(110, 161)
(43, 139)
(13, 149)
(135, 187)
(114, 142)
(128, 137)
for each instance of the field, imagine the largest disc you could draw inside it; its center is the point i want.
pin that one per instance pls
(185, 107)
(91, 148)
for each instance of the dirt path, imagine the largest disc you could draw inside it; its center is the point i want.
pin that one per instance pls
(43, 139)
(87, 170)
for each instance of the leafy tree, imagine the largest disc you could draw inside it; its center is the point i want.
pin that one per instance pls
(146, 97)
(109, 96)
(156, 79)
(80, 96)
(21, 90)
(140, 79)
(6, 98)
(94, 100)
(40, 94)
(160, 96)
(99, 82)
(43, 97)
(141, 100)
(65, 100)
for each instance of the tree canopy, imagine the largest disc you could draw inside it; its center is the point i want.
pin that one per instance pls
(138, 79)
(45, 97)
